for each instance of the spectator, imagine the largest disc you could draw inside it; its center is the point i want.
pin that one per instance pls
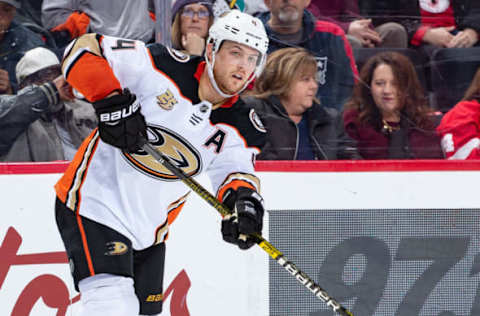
(191, 21)
(30, 11)
(251, 7)
(298, 128)
(289, 24)
(14, 41)
(68, 19)
(442, 23)
(42, 122)
(255, 7)
(388, 115)
(360, 31)
(460, 127)
(446, 32)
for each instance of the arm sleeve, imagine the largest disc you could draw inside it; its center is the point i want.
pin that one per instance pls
(233, 167)
(341, 69)
(17, 112)
(417, 37)
(97, 65)
(460, 132)
(472, 17)
(350, 13)
(463, 142)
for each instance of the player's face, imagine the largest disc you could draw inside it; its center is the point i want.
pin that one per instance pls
(234, 64)
(195, 18)
(301, 93)
(385, 91)
(287, 11)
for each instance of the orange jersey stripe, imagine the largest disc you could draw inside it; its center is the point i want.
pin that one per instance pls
(172, 215)
(175, 207)
(92, 76)
(85, 245)
(67, 188)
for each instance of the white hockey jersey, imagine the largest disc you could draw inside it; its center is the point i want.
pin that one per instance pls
(131, 192)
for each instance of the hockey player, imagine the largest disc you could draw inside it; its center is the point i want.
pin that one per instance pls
(115, 202)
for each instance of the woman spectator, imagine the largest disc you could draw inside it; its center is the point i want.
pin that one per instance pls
(191, 21)
(461, 125)
(297, 126)
(388, 114)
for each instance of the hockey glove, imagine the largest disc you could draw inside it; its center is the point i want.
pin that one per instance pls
(120, 122)
(246, 219)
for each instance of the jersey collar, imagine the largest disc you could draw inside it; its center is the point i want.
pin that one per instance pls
(225, 104)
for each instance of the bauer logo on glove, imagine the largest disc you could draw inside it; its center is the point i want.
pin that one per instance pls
(121, 124)
(120, 114)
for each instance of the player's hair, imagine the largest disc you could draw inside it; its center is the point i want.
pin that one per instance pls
(411, 94)
(473, 91)
(283, 68)
(176, 29)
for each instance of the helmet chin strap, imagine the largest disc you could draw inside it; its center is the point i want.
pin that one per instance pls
(211, 76)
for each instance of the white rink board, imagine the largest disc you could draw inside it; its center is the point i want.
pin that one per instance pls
(223, 279)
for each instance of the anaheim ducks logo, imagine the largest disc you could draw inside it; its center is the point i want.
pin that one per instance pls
(181, 153)
(115, 248)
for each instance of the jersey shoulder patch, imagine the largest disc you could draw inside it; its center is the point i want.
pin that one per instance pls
(178, 55)
(256, 121)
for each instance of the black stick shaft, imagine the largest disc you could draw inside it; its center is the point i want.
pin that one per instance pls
(273, 252)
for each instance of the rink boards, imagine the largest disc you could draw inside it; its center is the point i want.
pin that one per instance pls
(383, 238)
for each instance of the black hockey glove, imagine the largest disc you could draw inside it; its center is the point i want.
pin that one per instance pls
(246, 219)
(120, 122)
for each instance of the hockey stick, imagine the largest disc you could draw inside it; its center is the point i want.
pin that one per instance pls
(273, 252)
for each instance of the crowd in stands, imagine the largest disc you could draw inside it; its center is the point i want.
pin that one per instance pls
(344, 79)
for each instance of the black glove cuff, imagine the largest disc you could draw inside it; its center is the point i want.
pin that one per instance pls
(243, 193)
(117, 100)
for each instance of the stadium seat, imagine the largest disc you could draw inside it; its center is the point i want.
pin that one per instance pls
(452, 70)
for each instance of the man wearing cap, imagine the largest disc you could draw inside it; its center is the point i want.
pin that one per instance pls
(42, 122)
(15, 39)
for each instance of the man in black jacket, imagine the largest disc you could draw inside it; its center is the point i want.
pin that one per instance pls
(289, 24)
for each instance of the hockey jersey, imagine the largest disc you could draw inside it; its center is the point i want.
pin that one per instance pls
(459, 130)
(131, 192)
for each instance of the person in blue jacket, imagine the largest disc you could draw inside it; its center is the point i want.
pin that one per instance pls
(15, 40)
(289, 24)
